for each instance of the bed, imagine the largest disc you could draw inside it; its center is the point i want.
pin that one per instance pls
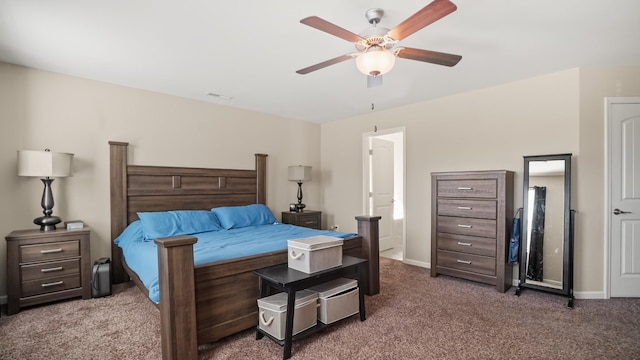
(201, 304)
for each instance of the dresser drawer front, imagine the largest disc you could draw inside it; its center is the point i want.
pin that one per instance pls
(41, 271)
(467, 262)
(49, 251)
(467, 244)
(37, 287)
(310, 221)
(468, 188)
(482, 209)
(467, 226)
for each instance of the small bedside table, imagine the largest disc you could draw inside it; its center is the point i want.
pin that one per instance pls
(309, 218)
(45, 266)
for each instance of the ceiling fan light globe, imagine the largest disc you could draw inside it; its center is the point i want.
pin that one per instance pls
(375, 61)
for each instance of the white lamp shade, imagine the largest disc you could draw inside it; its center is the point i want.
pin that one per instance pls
(375, 61)
(299, 173)
(44, 163)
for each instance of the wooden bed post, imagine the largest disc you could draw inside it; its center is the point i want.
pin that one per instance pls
(118, 181)
(368, 229)
(261, 178)
(178, 330)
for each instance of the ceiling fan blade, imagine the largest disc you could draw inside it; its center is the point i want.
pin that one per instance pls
(335, 30)
(324, 64)
(433, 57)
(427, 15)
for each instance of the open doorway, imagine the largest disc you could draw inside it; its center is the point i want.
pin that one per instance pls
(384, 184)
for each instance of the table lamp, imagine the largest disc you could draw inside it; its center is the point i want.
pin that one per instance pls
(299, 174)
(45, 164)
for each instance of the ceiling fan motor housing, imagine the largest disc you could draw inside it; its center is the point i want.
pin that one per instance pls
(374, 36)
(374, 15)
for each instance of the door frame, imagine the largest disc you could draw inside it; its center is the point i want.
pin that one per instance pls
(608, 141)
(365, 177)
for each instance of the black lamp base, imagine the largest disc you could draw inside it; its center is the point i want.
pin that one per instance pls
(300, 206)
(47, 223)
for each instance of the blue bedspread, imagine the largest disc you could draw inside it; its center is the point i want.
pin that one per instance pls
(142, 256)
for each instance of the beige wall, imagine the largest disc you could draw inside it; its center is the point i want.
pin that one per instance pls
(595, 85)
(470, 131)
(41, 109)
(485, 129)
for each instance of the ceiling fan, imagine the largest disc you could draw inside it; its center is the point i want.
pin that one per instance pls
(378, 47)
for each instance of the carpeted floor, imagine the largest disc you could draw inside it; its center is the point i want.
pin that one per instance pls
(414, 317)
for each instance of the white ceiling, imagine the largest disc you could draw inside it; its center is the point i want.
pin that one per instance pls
(250, 49)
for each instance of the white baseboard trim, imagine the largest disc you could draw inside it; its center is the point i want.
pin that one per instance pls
(417, 263)
(576, 294)
(589, 295)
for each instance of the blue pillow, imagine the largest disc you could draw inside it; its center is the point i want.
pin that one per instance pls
(231, 217)
(132, 232)
(177, 222)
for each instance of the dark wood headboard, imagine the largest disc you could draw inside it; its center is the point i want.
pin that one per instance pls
(136, 188)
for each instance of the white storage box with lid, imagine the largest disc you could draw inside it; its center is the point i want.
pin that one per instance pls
(338, 299)
(315, 253)
(272, 313)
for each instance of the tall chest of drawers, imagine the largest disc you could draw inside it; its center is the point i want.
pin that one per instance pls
(45, 266)
(471, 215)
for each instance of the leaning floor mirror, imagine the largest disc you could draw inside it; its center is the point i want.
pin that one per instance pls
(546, 245)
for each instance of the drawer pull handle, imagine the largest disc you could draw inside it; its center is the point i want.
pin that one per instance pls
(51, 269)
(464, 262)
(464, 244)
(53, 283)
(310, 222)
(464, 188)
(464, 207)
(464, 226)
(52, 251)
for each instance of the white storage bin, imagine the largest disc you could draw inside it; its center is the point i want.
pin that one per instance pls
(272, 313)
(338, 299)
(315, 253)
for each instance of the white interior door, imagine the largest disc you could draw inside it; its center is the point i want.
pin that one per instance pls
(382, 187)
(623, 117)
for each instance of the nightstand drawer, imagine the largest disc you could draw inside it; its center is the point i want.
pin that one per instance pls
(310, 218)
(49, 251)
(37, 287)
(310, 221)
(50, 269)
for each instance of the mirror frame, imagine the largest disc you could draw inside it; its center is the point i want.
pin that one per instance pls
(567, 260)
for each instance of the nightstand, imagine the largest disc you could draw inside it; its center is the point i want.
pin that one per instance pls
(309, 218)
(45, 266)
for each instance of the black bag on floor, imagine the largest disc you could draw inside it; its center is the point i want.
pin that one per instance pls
(101, 278)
